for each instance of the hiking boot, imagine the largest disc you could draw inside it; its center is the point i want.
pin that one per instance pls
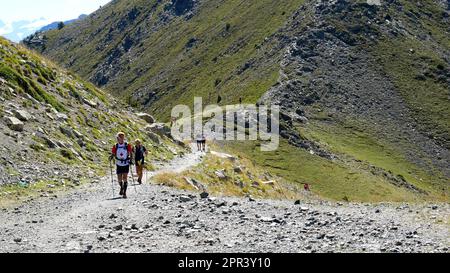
(125, 186)
(121, 189)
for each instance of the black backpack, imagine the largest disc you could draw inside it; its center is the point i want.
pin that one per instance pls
(139, 152)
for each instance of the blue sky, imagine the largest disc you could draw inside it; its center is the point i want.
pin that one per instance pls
(20, 17)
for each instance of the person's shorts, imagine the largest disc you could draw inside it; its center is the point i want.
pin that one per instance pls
(123, 169)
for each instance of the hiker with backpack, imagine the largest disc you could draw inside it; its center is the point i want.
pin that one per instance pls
(122, 152)
(139, 152)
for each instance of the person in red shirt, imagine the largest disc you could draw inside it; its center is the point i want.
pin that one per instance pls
(123, 153)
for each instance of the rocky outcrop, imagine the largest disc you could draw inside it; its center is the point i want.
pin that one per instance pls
(181, 7)
(22, 115)
(160, 129)
(14, 124)
(147, 117)
(328, 70)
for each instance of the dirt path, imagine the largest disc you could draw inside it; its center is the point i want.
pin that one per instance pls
(179, 164)
(161, 219)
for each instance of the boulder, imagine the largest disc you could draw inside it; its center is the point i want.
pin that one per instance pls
(61, 144)
(81, 143)
(204, 195)
(154, 137)
(51, 110)
(148, 118)
(51, 144)
(223, 155)
(14, 124)
(66, 131)
(195, 184)
(91, 103)
(77, 134)
(22, 115)
(61, 116)
(271, 182)
(159, 128)
(302, 119)
(185, 198)
(221, 174)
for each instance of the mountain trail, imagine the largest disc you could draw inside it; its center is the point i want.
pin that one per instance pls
(161, 219)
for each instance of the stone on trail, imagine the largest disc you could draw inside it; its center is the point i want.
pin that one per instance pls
(304, 209)
(185, 198)
(113, 216)
(268, 219)
(204, 195)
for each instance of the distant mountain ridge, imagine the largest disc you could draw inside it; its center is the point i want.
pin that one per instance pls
(19, 30)
(54, 25)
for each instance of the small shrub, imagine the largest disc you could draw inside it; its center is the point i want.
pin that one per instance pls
(67, 154)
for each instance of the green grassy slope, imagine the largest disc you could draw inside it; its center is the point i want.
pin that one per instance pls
(418, 65)
(228, 35)
(71, 129)
(234, 48)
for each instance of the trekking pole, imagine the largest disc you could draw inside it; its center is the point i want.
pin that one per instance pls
(112, 178)
(132, 179)
(145, 173)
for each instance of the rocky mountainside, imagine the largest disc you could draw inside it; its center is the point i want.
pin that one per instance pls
(57, 129)
(364, 85)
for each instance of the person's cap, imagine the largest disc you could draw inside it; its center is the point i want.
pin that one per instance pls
(138, 141)
(120, 134)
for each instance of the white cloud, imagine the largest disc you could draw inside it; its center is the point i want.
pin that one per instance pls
(20, 18)
(60, 10)
(6, 29)
(38, 23)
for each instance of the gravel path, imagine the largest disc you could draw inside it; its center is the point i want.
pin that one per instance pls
(161, 219)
